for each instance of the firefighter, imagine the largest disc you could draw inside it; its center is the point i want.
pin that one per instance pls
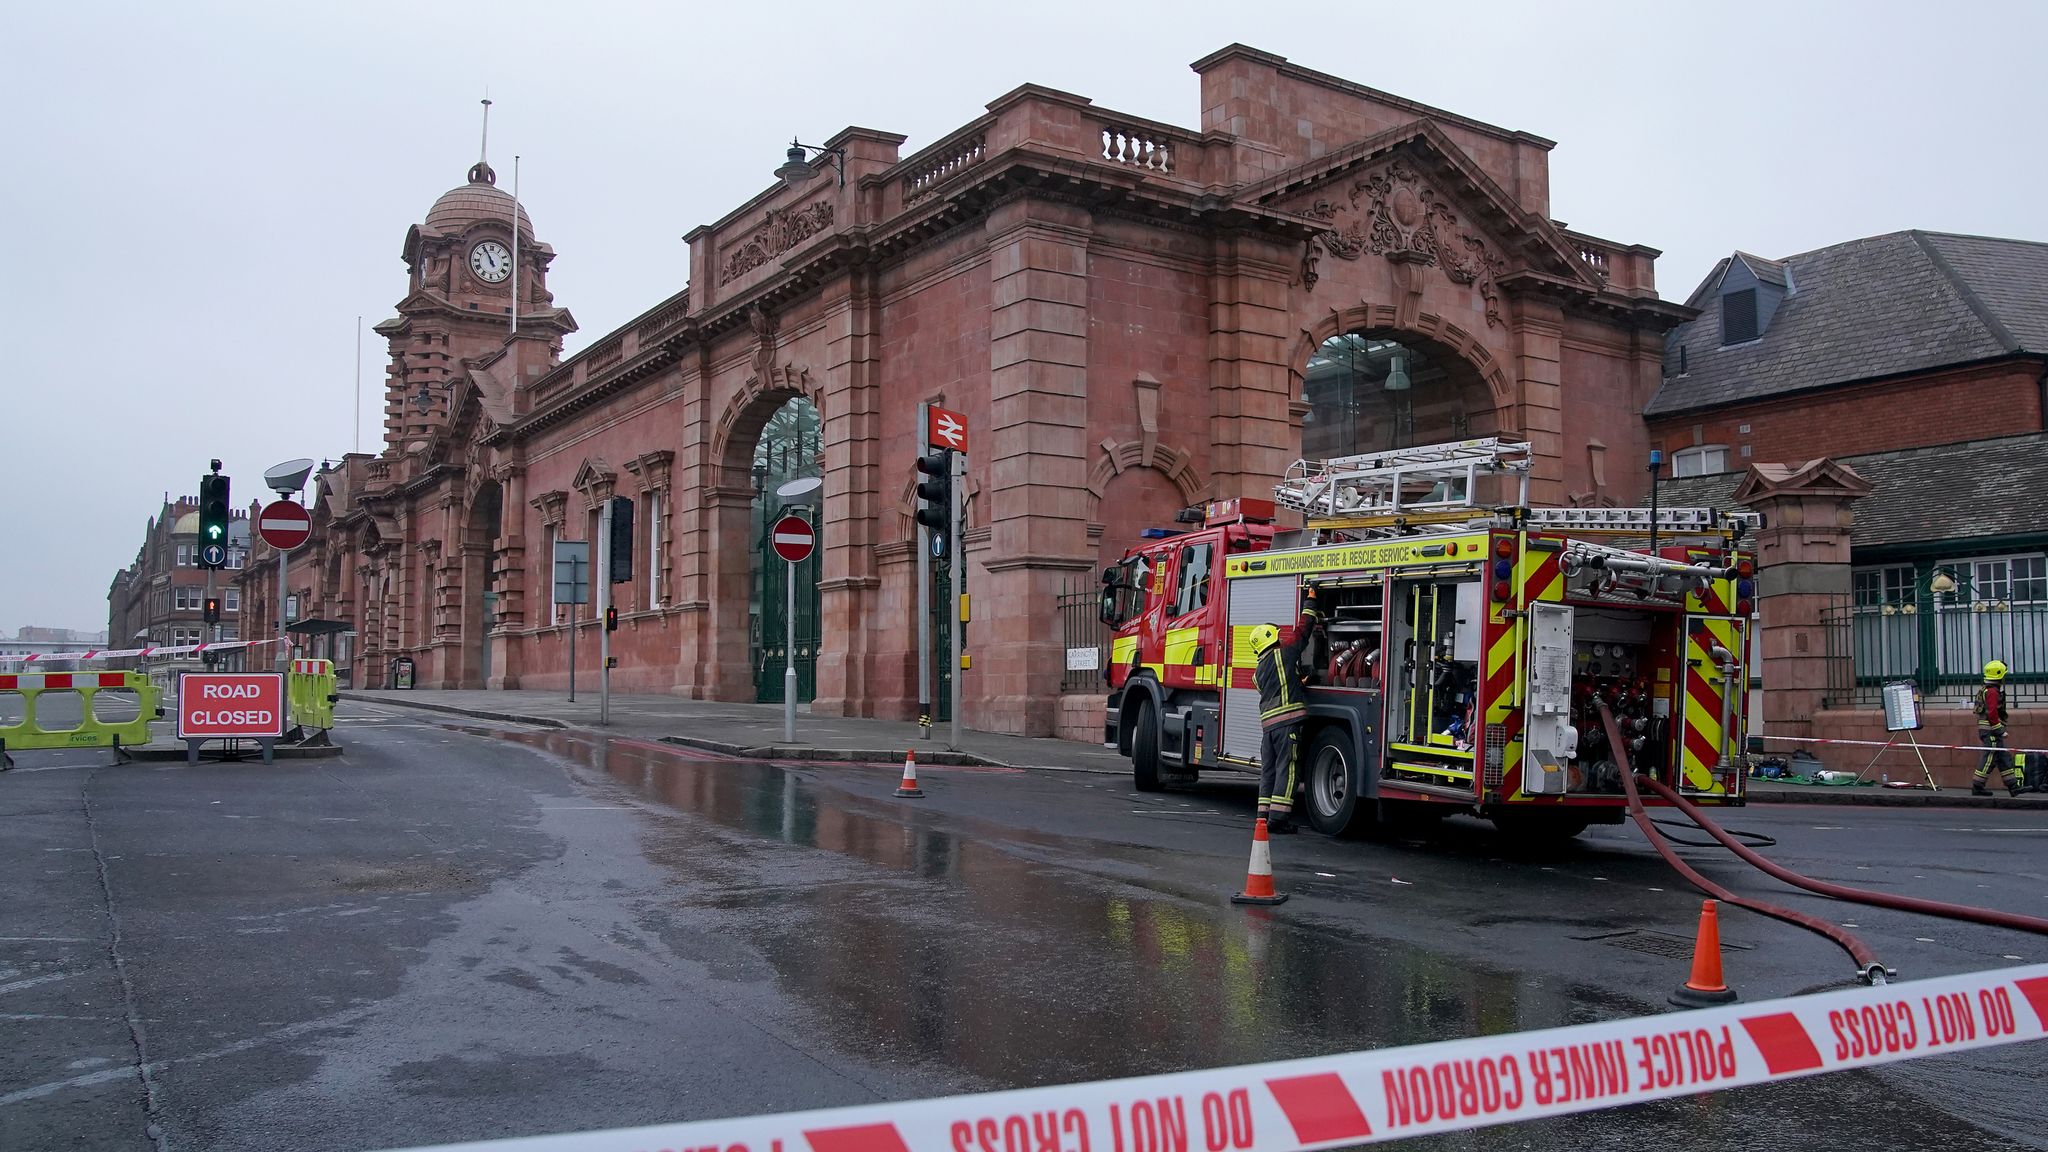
(1282, 707)
(1990, 707)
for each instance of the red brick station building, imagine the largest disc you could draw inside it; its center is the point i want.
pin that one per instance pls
(1134, 317)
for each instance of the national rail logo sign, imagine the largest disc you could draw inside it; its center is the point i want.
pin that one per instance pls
(230, 705)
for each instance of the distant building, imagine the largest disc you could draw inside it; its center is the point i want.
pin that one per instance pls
(32, 639)
(160, 597)
(1919, 362)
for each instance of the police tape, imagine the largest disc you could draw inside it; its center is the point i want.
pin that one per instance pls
(1873, 743)
(152, 653)
(1393, 1093)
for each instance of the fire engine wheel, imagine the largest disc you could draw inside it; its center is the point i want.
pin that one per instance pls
(1145, 749)
(1333, 801)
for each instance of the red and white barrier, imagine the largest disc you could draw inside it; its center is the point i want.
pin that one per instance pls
(153, 653)
(1393, 1093)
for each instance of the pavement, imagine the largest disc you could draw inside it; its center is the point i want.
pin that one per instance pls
(756, 730)
(463, 929)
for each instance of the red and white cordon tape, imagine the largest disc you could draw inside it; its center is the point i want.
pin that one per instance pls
(1393, 1093)
(156, 652)
(1894, 745)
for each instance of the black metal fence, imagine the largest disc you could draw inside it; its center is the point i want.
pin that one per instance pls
(1086, 638)
(1941, 648)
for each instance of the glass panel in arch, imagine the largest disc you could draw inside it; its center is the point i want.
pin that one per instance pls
(1369, 393)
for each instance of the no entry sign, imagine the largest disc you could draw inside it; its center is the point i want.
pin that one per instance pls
(284, 525)
(223, 705)
(794, 539)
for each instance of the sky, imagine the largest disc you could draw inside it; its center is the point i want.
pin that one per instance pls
(202, 198)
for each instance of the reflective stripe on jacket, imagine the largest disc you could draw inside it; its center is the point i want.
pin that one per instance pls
(1280, 693)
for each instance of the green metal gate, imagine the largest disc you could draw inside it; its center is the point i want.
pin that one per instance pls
(790, 447)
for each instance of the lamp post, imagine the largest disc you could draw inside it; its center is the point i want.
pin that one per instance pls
(1656, 474)
(797, 169)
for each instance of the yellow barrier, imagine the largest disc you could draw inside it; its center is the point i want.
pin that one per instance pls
(310, 696)
(45, 698)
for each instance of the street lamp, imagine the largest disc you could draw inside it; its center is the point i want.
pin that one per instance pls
(797, 170)
(1656, 474)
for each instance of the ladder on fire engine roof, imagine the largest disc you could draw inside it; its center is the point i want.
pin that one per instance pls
(1432, 478)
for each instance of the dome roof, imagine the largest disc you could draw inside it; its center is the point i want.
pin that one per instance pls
(186, 525)
(480, 199)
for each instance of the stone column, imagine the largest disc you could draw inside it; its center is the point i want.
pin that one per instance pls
(507, 650)
(1539, 404)
(1802, 571)
(1033, 460)
(722, 645)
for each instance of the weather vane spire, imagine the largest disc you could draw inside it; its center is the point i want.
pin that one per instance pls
(482, 174)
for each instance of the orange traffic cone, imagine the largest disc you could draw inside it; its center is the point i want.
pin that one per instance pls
(1258, 878)
(909, 786)
(1705, 987)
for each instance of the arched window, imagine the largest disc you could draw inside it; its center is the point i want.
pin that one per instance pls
(1368, 392)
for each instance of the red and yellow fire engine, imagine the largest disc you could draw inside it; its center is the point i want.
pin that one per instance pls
(1465, 649)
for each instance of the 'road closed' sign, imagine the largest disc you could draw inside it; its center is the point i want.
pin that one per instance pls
(215, 705)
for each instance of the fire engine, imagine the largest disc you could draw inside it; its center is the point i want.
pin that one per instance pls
(1466, 643)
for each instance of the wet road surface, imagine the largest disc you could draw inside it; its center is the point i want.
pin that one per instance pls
(461, 931)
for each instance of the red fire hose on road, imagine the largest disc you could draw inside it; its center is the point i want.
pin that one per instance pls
(1869, 970)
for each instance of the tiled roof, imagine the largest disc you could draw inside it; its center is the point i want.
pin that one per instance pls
(1949, 492)
(1881, 306)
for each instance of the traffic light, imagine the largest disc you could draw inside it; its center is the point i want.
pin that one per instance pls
(622, 540)
(611, 618)
(213, 521)
(935, 494)
(211, 610)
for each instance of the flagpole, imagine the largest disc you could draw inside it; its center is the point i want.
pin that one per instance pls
(359, 385)
(515, 245)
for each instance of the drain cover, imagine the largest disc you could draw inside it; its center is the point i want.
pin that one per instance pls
(1656, 943)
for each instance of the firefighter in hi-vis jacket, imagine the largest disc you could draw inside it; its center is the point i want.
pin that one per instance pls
(1282, 707)
(1991, 710)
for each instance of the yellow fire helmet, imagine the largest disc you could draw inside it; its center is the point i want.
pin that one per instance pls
(1993, 672)
(1264, 636)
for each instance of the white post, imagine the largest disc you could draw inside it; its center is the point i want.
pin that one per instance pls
(603, 578)
(284, 647)
(955, 521)
(924, 600)
(789, 657)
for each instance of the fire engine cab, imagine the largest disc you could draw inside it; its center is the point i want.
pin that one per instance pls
(1466, 645)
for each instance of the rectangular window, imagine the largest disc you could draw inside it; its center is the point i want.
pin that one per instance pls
(233, 601)
(653, 547)
(291, 607)
(1702, 460)
(547, 569)
(184, 555)
(229, 633)
(1876, 587)
(2014, 579)
(235, 557)
(1738, 317)
(1193, 589)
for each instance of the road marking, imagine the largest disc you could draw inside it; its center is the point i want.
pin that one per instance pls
(1995, 829)
(47, 978)
(45, 939)
(588, 808)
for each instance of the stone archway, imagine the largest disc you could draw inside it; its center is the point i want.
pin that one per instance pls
(482, 526)
(737, 508)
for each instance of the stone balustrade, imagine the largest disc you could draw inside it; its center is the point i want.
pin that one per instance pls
(938, 164)
(1150, 150)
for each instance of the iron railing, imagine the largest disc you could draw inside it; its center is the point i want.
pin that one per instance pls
(1942, 649)
(1084, 633)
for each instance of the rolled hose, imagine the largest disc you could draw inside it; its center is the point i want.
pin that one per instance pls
(1868, 969)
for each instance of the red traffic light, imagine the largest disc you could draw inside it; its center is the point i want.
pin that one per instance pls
(611, 619)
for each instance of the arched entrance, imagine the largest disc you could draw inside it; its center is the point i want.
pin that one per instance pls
(480, 534)
(1370, 391)
(790, 447)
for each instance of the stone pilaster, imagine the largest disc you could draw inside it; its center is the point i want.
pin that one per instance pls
(1802, 571)
(1254, 431)
(1033, 460)
(1539, 396)
(849, 583)
(721, 649)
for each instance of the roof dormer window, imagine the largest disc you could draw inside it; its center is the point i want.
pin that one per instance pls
(1738, 317)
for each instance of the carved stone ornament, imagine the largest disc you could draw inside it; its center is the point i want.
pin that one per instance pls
(783, 229)
(1394, 214)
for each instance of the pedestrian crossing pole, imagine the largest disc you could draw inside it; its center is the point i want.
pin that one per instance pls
(924, 606)
(957, 587)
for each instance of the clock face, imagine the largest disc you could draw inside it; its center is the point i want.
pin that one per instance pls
(490, 262)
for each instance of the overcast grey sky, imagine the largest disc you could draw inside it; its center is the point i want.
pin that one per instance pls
(203, 197)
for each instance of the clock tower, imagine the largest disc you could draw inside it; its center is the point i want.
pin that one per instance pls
(465, 261)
